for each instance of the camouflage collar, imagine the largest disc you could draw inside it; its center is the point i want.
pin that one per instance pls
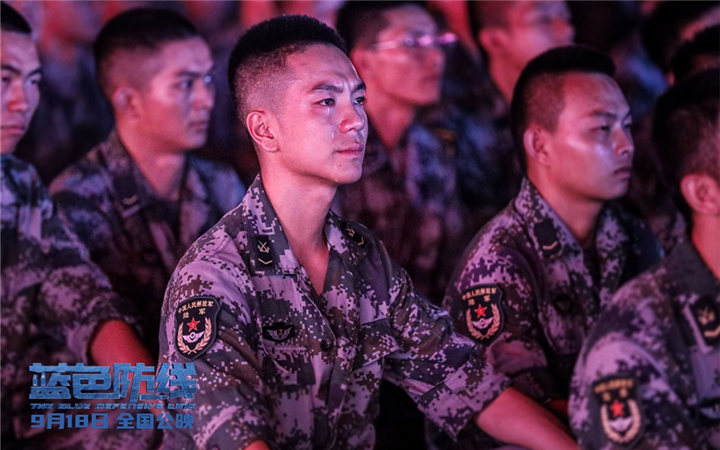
(696, 276)
(130, 184)
(268, 247)
(551, 237)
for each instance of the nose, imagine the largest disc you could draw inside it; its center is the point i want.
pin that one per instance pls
(563, 30)
(205, 95)
(18, 97)
(624, 145)
(353, 118)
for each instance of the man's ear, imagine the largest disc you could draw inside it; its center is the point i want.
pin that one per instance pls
(260, 125)
(536, 143)
(492, 40)
(125, 100)
(702, 193)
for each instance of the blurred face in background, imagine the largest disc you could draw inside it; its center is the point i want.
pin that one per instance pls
(21, 76)
(405, 63)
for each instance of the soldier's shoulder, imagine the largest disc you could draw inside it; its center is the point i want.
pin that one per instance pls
(80, 175)
(644, 290)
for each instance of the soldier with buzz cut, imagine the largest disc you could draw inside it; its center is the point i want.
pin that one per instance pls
(139, 199)
(535, 278)
(293, 315)
(56, 305)
(649, 372)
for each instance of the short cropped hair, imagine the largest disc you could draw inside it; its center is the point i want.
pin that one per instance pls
(661, 33)
(140, 29)
(705, 44)
(536, 99)
(485, 14)
(360, 22)
(11, 20)
(263, 50)
(685, 130)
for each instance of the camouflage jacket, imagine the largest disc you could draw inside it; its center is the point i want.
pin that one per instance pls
(528, 293)
(53, 296)
(278, 362)
(135, 238)
(649, 372)
(408, 197)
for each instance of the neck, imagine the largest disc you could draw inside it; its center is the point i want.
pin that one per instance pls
(390, 120)
(162, 170)
(705, 239)
(301, 207)
(578, 214)
(504, 75)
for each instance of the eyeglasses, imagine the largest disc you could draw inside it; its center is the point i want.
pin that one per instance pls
(423, 41)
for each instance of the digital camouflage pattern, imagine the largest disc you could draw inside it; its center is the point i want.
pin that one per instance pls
(528, 293)
(660, 334)
(136, 238)
(301, 370)
(53, 299)
(408, 197)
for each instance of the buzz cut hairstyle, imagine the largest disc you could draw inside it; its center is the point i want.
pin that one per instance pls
(11, 20)
(360, 22)
(685, 129)
(706, 43)
(261, 53)
(139, 29)
(538, 96)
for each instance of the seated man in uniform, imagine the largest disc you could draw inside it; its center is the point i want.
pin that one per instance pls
(138, 200)
(535, 278)
(648, 372)
(57, 306)
(293, 315)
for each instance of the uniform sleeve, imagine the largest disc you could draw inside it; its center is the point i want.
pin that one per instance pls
(444, 373)
(622, 390)
(493, 302)
(231, 411)
(74, 296)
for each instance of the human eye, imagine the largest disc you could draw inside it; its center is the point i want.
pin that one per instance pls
(35, 80)
(186, 84)
(327, 102)
(208, 79)
(360, 100)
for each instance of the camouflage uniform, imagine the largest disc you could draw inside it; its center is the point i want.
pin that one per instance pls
(408, 196)
(136, 238)
(528, 292)
(278, 362)
(53, 299)
(649, 372)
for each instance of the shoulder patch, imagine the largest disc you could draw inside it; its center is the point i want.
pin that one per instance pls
(264, 255)
(547, 237)
(619, 409)
(706, 313)
(483, 311)
(196, 325)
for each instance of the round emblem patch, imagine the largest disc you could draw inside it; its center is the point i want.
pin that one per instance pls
(619, 410)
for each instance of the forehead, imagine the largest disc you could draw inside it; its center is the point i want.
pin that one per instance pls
(168, 59)
(408, 18)
(19, 51)
(318, 64)
(587, 93)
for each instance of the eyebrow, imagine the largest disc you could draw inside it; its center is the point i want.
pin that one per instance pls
(324, 86)
(608, 115)
(15, 70)
(193, 73)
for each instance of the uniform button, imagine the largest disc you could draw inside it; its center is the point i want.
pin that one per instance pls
(325, 345)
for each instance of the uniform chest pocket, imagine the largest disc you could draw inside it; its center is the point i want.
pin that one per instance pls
(286, 367)
(376, 343)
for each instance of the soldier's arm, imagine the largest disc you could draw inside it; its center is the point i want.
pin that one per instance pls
(231, 410)
(498, 286)
(514, 418)
(621, 392)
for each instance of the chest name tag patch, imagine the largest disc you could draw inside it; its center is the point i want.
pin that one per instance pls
(483, 312)
(196, 325)
(619, 410)
(706, 313)
(278, 332)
